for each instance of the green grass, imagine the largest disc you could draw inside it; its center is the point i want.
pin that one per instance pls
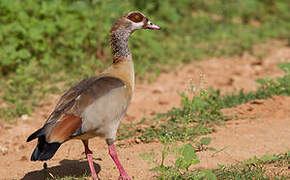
(201, 109)
(257, 168)
(49, 41)
(253, 168)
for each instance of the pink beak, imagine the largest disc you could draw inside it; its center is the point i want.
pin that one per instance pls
(150, 25)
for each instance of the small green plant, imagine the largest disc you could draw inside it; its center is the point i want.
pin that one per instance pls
(185, 158)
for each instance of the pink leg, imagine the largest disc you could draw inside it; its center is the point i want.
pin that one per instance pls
(89, 155)
(113, 154)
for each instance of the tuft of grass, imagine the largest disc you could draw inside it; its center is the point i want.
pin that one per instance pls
(201, 109)
(268, 87)
(256, 168)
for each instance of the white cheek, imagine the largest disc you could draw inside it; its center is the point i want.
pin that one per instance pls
(138, 25)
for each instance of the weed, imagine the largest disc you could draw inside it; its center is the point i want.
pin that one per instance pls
(185, 158)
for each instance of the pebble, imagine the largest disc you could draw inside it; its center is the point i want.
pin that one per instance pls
(158, 90)
(137, 141)
(24, 117)
(161, 102)
(257, 101)
(23, 158)
(3, 150)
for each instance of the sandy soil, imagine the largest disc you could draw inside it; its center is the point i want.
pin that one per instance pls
(263, 130)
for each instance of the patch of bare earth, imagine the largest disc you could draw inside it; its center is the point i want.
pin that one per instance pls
(264, 128)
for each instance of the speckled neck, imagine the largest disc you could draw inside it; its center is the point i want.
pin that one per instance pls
(120, 45)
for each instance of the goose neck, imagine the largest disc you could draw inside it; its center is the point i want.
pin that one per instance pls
(120, 45)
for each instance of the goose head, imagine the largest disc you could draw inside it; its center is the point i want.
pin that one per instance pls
(133, 21)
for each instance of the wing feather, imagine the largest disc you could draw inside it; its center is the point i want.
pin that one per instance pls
(65, 120)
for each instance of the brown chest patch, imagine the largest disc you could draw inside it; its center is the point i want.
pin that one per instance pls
(66, 126)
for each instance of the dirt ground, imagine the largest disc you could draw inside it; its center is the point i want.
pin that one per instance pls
(264, 128)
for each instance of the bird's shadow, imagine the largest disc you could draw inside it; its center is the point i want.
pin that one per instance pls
(74, 168)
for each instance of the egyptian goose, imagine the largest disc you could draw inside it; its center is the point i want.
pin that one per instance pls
(95, 106)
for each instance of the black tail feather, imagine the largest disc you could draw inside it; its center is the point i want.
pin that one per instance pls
(36, 134)
(44, 150)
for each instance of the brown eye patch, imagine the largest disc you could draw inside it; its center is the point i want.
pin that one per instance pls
(136, 17)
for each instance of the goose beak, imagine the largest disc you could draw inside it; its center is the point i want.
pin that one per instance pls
(150, 25)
